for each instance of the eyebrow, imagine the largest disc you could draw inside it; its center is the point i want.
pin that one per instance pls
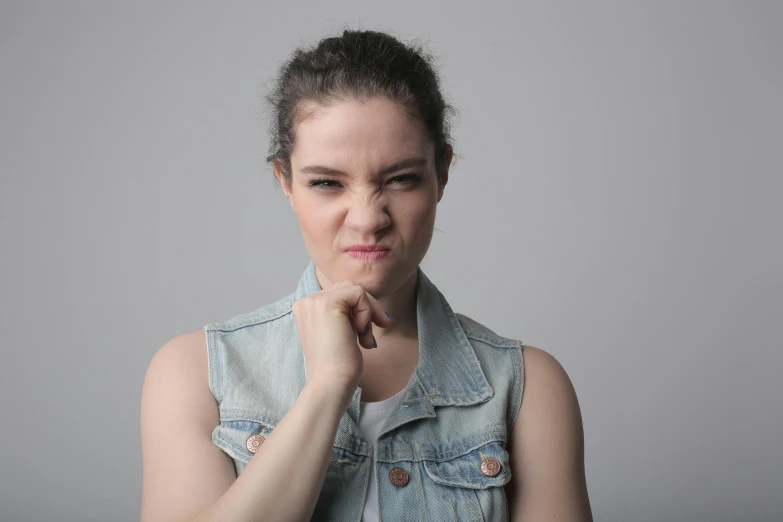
(400, 165)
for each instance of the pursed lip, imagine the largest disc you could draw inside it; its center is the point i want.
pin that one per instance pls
(367, 248)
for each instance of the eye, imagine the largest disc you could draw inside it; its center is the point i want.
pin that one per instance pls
(406, 179)
(327, 184)
(323, 184)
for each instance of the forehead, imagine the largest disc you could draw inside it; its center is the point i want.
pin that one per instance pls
(359, 133)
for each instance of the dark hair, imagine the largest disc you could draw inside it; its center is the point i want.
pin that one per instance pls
(356, 66)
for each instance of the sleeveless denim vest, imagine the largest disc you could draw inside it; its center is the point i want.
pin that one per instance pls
(458, 414)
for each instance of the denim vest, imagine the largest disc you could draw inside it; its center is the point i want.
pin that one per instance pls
(440, 456)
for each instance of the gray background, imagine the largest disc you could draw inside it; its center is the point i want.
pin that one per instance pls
(617, 202)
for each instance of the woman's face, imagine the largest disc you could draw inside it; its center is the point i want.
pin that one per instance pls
(363, 173)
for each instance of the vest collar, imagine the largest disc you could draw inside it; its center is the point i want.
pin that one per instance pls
(448, 370)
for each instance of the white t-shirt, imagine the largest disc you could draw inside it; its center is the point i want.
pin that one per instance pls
(372, 416)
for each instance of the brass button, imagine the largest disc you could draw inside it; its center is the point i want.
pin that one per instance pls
(254, 442)
(398, 476)
(490, 467)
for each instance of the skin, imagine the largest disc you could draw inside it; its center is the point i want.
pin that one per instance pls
(187, 478)
(365, 206)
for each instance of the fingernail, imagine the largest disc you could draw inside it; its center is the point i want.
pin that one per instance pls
(374, 342)
(390, 317)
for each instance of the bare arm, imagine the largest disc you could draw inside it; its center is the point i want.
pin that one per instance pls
(547, 447)
(187, 478)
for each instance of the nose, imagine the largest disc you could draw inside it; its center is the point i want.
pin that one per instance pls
(367, 215)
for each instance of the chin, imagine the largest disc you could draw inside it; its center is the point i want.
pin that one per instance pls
(381, 283)
(377, 280)
(375, 284)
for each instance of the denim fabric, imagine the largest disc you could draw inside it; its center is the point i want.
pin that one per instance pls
(462, 403)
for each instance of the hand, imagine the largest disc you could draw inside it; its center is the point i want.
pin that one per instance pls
(329, 322)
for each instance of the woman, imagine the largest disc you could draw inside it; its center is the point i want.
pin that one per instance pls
(362, 395)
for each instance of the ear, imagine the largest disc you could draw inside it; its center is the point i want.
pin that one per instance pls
(444, 176)
(283, 183)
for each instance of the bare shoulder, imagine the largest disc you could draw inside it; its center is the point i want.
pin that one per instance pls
(183, 472)
(545, 376)
(178, 370)
(547, 445)
(187, 345)
(549, 401)
(188, 349)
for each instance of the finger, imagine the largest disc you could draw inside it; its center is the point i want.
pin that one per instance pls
(365, 310)
(362, 307)
(379, 315)
(364, 336)
(352, 301)
(367, 338)
(363, 315)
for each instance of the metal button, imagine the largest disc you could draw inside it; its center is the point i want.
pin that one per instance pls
(254, 442)
(398, 476)
(490, 467)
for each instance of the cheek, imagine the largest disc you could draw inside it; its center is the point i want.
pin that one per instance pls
(319, 222)
(315, 219)
(416, 216)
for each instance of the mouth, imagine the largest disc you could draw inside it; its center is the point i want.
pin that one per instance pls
(368, 252)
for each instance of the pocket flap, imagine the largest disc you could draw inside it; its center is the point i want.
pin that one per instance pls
(466, 471)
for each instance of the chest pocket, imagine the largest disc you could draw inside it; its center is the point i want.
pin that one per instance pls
(470, 486)
(241, 439)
